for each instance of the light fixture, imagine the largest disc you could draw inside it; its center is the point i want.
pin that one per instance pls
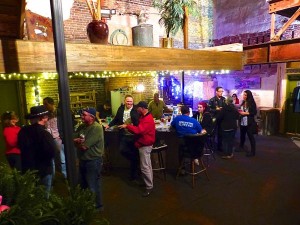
(140, 88)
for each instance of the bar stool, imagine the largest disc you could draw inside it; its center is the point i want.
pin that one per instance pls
(192, 151)
(157, 153)
(210, 147)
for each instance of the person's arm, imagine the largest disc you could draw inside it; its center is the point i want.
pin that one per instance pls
(116, 119)
(212, 106)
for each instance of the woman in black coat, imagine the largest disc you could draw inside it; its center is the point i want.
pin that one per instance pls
(247, 122)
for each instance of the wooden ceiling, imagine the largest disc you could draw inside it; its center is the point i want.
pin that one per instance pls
(12, 18)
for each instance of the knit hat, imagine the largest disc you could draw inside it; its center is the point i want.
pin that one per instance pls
(142, 104)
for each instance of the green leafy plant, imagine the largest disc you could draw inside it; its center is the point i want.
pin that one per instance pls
(28, 204)
(172, 13)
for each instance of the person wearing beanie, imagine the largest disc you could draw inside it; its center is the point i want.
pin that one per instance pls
(89, 141)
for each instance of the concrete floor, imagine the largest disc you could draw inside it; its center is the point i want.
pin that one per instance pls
(263, 190)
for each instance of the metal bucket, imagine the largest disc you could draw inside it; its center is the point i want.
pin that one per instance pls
(142, 35)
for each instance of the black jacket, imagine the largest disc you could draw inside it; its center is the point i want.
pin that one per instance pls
(206, 122)
(228, 117)
(118, 119)
(214, 102)
(37, 149)
(251, 117)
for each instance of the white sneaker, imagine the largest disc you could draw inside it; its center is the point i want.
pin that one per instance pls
(196, 161)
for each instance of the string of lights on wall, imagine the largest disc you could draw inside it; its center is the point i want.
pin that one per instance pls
(107, 74)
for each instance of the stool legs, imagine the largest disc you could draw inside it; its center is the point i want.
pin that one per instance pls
(161, 162)
(193, 169)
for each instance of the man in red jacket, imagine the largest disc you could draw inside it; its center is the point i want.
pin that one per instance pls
(144, 139)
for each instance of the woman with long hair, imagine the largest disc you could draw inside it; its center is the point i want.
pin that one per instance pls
(10, 132)
(247, 122)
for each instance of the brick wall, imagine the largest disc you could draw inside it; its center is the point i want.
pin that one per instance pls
(200, 31)
(150, 84)
(103, 86)
(49, 88)
(247, 22)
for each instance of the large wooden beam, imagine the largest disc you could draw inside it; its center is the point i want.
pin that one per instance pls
(30, 57)
(273, 52)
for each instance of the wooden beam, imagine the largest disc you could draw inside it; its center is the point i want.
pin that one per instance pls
(273, 52)
(32, 57)
(277, 6)
(258, 55)
(21, 19)
(288, 52)
(285, 26)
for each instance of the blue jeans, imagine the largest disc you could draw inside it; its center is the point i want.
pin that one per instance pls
(228, 141)
(90, 177)
(63, 161)
(47, 182)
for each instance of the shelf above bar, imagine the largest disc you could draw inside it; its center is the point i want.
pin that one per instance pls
(35, 57)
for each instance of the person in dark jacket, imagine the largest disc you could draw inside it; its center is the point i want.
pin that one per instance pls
(216, 104)
(228, 117)
(127, 114)
(37, 146)
(145, 138)
(204, 117)
(248, 125)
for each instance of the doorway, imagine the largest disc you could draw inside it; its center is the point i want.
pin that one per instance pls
(292, 119)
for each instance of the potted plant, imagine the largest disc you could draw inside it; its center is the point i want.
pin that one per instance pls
(173, 15)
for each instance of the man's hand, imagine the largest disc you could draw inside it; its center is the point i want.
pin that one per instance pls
(123, 126)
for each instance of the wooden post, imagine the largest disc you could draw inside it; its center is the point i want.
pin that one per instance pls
(186, 28)
(272, 32)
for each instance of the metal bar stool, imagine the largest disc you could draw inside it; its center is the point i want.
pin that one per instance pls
(209, 148)
(192, 156)
(159, 163)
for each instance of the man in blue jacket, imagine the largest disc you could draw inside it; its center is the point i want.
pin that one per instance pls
(185, 125)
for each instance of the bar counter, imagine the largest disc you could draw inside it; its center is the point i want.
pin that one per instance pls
(163, 135)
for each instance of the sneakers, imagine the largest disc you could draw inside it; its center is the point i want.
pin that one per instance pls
(147, 192)
(227, 156)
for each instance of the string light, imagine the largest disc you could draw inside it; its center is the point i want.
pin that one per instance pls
(109, 74)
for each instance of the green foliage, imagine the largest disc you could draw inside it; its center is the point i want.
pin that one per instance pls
(172, 13)
(29, 204)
